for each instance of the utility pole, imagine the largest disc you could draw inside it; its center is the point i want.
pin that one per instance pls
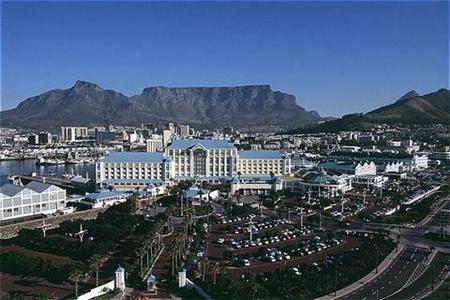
(181, 199)
(320, 221)
(301, 217)
(81, 232)
(335, 280)
(250, 224)
(44, 227)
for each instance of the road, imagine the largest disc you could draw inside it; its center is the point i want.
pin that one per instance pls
(410, 275)
(393, 278)
(425, 283)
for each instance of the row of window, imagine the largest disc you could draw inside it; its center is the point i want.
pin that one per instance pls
(29, 209)
(17, 201)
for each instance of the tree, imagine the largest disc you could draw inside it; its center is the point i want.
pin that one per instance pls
(75, 276)
(94, 264)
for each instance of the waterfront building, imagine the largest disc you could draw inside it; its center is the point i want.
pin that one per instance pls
(253, 162)
(209, 160)
(35, 198)
(126, 170)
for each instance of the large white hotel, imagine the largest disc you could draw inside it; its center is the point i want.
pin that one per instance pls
(203, 160)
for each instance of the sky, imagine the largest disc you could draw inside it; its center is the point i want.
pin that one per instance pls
(335, 57)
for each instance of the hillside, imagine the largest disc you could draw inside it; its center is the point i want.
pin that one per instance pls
(409, 109)
(87, 104)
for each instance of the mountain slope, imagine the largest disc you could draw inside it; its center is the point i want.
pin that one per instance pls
(87, 104)
(430, 108)
(409, 109)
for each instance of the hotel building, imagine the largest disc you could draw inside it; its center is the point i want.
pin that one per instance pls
(203, 160)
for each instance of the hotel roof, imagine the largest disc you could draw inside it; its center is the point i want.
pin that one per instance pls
(210, 144)
(260, 154)
(130, 157)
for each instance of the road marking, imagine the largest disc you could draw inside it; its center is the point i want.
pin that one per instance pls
(382, 288)
(390, 281)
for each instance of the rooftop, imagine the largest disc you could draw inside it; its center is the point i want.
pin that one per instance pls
(10, 189)
(210, 144)
(129, 157)
(37, 186)
(101, 194)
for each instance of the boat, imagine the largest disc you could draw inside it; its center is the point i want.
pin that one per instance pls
(49, 162)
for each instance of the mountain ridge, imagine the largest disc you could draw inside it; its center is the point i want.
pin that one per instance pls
(88, 104)
(432, 108)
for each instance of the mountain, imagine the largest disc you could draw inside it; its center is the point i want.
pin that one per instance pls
(87, 104)
(409, 109)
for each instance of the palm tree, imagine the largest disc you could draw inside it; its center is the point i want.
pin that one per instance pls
(75, 276)
(95, 263)
(216, 270)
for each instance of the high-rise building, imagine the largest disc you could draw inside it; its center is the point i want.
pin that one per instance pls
(154, 144)
(45, 138)
(71, 134)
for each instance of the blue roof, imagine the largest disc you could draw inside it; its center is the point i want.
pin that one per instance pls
(131, 181)
(141, 157)
(103, 194)
(260, 154)
(187, 143)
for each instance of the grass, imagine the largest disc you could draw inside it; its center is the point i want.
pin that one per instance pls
(437, 237)
(442, 293)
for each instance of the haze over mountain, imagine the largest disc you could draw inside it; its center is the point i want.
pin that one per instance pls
(87, 104)
(409, 109)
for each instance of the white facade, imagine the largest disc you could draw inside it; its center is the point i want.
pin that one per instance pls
(154, 144)
(71, 134)
(420, 162)
(32, 199)
(204, 159)
(131, 169)
(263, 163)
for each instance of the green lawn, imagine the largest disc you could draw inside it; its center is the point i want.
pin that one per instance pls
(442, 293)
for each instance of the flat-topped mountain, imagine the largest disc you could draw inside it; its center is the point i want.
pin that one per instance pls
(87, 104)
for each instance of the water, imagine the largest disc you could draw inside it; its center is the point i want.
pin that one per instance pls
(15, 167)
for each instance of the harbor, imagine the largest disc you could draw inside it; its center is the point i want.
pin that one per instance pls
(28, 167)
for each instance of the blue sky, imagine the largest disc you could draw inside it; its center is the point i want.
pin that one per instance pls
(335, 57)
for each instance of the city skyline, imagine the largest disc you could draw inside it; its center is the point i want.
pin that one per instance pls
(373, 52)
